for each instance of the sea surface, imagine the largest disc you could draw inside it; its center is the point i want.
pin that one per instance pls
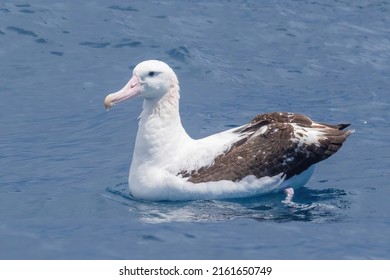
(64, 160)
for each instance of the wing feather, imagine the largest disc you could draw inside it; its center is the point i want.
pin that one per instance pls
(274, 143)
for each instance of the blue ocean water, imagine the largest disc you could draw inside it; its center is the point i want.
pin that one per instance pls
(64, 160)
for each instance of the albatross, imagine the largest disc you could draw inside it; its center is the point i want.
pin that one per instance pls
(273, 152)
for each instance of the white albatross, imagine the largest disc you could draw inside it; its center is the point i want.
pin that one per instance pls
(274, 151)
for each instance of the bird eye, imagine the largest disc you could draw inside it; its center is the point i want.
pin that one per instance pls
(151, 74)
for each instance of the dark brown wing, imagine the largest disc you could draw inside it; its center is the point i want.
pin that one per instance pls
(275, 143)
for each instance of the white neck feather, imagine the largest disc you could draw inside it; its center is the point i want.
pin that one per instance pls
(165, 107)
(160, 130)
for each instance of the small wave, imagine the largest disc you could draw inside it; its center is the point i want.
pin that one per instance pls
(21, 31)
(180, 53)
(122, 8)
(98, 45)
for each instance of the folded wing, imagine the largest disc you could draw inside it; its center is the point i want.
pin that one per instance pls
(272, 144)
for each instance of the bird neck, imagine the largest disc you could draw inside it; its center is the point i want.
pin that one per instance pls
(160, 129)
(165, 108)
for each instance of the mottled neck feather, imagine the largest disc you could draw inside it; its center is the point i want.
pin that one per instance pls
(160, 129)
(165, 107)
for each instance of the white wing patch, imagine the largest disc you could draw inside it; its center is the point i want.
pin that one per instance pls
(308, 135)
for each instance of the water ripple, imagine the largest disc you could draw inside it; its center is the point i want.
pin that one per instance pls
(98, 45)
(308, 205)
(121, 8)
(180, 53)
(127, 43)
(21, 31)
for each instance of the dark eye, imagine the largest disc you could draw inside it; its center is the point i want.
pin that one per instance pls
(151, 74)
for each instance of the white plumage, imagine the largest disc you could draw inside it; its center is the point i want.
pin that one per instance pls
(166, 158)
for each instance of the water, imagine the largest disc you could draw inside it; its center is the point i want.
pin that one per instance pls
(64, 160)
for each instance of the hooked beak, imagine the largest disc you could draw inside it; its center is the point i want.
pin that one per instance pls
(130, 90)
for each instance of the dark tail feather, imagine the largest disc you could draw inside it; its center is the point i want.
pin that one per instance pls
(340, 126)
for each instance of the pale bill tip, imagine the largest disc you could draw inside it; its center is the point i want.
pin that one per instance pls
(107, 103)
